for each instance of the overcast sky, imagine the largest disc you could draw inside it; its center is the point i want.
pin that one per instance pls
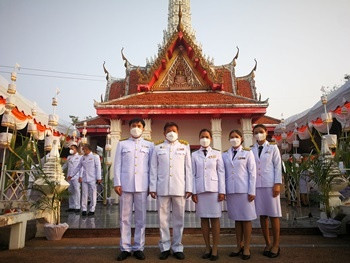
(300, 45)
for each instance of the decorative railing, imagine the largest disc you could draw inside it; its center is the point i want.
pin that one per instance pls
(15, 185)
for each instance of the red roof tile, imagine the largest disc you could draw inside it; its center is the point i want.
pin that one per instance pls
(244, 89)
(117, 90)
(267, 120)
(96, 121)
(181, 98)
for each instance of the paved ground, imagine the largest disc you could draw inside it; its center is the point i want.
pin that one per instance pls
(294, 248)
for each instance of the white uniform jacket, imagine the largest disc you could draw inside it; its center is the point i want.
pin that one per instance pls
(132, 164)
(268, 165)
(208, 171)
(171, 169)
(71, 163)
(92, 168)
(240, 173)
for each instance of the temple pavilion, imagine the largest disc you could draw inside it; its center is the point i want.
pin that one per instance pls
(182, 85)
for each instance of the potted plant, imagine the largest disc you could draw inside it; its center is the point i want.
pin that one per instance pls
(50, 187)
(325, 173)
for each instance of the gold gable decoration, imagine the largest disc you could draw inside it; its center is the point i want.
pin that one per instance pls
(180, 76)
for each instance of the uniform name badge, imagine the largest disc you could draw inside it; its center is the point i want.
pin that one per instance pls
(212, 157)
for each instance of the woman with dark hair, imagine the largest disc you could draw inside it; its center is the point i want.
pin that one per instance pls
(240, 173)
(208, 191)
(268, 184)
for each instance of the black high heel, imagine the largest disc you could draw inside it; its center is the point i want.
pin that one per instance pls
(236, 254)
(206, 255)
(274, 255)
(266, 252)
(246, 257)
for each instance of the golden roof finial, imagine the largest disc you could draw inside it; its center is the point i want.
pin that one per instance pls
(179, 26)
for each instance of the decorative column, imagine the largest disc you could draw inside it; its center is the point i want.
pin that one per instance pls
(247, 129)
(116, 131)
(216, 130)
(147, 133)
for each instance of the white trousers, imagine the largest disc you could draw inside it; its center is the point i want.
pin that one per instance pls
(88, 190)
(126, 203)
(165, 203)
(74, 194)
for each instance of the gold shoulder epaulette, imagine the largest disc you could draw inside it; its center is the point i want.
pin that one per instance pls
(246, 149)
(148, 139)
(272, 143)
(226, 151)
(183, 142)
(123, 139)
(158, 142)
(216, 149)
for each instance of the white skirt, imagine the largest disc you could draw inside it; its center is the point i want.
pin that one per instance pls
(266, 204)
(208, 205)
(239, 208)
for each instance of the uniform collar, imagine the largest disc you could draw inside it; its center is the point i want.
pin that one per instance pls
(171, 143)
(238, 149)
(266, 143)
(135, 139)
(208, 148)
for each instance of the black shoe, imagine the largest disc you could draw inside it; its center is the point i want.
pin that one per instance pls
(91, 213)
(139, 255)
(245, 257)
(214, 258)
(70, 210)
(77, 210)
(206, 255)
(274, 255)
(83, 213)
(266, 252)
(164, 255)
(179, 255)
(123, 255)
(236, 254)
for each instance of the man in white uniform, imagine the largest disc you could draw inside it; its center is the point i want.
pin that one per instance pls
(74, 185)
(131, 181)
(171, 184)
(89, 177)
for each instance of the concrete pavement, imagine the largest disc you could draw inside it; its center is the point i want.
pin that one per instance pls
(294, 248)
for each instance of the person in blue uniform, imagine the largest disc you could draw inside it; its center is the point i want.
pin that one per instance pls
(240, 174)
(131, 182)
(268, 187)
(208, 191)
(171, 183)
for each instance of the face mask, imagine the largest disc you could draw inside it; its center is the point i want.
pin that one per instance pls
(260, 136)
(235, 142)
(171, 136)
(205, 142)
(71, 152)
(136, 132)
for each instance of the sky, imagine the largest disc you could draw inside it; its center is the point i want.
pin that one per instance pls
(300, 45)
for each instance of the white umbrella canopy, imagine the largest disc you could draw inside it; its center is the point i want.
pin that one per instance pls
(24, 105)
(312, 116)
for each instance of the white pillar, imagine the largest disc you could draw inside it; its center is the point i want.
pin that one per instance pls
(216, 130)
(116, 131)
(247, 130)
(147, 133)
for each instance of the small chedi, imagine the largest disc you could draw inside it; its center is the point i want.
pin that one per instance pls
(53, 172)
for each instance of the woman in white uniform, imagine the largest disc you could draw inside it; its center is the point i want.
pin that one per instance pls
(208, 191)
(240, 174)
(268, 187)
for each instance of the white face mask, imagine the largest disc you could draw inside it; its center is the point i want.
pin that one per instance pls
(71, 151)
(136, 132)
(205, 142)
(260, 136)
(171, 136)
(235, 142)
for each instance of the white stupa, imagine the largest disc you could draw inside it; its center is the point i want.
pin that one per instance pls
(53, 171)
